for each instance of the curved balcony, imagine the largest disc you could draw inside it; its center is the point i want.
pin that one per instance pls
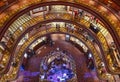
(27, 26)
(34, 22)
(102, 14)
(18, 57)
(65, 16)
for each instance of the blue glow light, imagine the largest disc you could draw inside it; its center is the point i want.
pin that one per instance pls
(61, 74)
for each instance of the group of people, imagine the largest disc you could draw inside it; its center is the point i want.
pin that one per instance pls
(70, 27)
(29, 53)
(79, 14)
(89, 60)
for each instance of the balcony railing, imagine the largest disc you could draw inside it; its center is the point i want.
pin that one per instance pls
(28, 21)
(13, 72)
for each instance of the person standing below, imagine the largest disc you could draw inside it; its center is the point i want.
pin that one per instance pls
(4, 46)
(67, 26)
(57, 27)
(51, 43)
(72, 28)
(80, 11)
(76, 15)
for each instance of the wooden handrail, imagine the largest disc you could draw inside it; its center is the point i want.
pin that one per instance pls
(98, 17)
(46, 22)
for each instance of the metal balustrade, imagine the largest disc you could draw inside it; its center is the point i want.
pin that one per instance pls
(107, 55)
(35, 20)
(31, 39)
(78, 2)
(16, 32)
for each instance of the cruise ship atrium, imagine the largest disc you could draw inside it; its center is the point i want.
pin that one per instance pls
(59, 40)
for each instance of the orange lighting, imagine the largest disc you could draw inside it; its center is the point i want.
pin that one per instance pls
(91, 2)
(103, 8)
(14, 7)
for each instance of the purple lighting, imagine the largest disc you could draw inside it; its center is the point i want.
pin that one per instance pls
(87, 75)
(60, 74)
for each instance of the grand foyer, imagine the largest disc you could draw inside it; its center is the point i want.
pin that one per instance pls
(59, 41)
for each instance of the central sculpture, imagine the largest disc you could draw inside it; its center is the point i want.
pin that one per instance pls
(57, 67)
